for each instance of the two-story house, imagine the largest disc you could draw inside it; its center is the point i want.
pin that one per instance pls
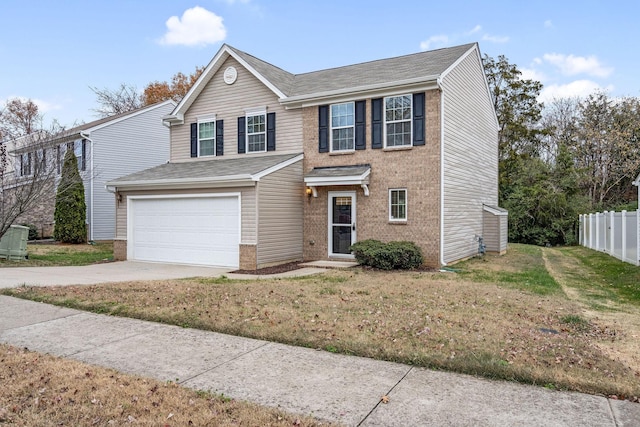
(106, 149)
(269, 167)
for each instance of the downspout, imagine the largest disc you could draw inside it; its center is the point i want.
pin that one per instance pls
(86, 136)
(439, 83)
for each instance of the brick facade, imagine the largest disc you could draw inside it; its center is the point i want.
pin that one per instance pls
(248, 257)
(120, 250)
(416, 169)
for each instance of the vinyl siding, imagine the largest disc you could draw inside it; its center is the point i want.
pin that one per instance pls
(228, 102)
(470, 142)
(280, 221)
(491, 231)
(124, 147)
(247, 209)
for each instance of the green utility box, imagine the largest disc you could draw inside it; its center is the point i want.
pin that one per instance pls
(13, 245)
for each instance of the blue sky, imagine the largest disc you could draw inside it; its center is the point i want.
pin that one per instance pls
(53, 51)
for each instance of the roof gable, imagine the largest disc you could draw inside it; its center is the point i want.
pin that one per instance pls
(290, 88)
(276, 79)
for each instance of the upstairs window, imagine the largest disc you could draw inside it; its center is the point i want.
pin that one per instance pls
(25, 164)
(397, 119)
(342, 127)
(257, 133)
(80, 150)
(206, 138)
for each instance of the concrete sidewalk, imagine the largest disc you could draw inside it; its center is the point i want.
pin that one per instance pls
(338, 388)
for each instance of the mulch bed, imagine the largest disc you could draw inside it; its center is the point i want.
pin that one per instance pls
(282, 268)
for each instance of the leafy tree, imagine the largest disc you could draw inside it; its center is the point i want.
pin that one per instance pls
(516, 103)
(176, 90)
(607, 147)
(18, 118)
(71, 210)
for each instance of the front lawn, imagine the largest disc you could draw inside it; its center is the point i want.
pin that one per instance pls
(60, 254)
(500, 317)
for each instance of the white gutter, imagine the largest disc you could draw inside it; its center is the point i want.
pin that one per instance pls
(86, 136)
(442, 261)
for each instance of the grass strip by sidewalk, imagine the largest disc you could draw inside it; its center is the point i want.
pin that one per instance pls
(519, 326)
(50, 255)
(42, 390)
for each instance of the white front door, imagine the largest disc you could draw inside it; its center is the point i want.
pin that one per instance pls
(342, 223)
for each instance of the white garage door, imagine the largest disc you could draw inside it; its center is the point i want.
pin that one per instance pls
(196, 230)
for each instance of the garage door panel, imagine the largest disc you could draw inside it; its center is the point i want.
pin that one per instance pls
(186, 230)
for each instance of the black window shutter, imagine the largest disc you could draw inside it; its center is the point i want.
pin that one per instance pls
(376, 123)
(194, 140)
(361, 121)
(219, 137)
(271, 131)
(323, 128)
(83, 166)
(418, 119)
(241, 135)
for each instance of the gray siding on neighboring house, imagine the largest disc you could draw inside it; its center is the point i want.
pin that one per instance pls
(121, 148)
(280, 221)
(227, 103)
(247, 208)
(470, 144)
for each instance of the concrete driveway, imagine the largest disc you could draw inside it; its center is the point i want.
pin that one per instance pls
(122, 271)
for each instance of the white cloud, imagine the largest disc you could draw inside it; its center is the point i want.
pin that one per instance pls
(577, 88)
(571, 65)
(531, 74)
(197, 27)
(548, 23)
(434, 42)
(495, 39)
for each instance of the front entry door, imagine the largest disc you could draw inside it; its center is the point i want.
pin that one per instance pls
(342, 223)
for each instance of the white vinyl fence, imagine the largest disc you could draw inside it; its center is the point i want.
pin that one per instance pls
(616, 233)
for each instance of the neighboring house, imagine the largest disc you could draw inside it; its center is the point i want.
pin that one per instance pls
(105, 149)
(269, 167)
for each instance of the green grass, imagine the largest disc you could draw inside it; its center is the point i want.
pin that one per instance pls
(610, 276)
(63, 255)
(531, 274)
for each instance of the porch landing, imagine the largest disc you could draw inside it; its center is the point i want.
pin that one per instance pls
(329, 264)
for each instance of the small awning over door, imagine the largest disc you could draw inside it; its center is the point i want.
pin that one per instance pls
(338, 175)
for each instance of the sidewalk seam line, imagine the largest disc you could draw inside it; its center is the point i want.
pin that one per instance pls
(613, 415)
(225, 362)
(386, 394)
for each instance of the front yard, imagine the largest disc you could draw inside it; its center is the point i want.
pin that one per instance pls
(60, 254)
(543, 316)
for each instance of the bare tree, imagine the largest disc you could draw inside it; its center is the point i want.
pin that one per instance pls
(117, 101)
(28, 162)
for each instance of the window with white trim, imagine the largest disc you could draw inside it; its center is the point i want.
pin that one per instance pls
(342, 126)
(397, 204)
(206, 137)
(256, 133)
(397, 120)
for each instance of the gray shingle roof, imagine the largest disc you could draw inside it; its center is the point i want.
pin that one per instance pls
(217, 168)
(338, 171)
(417, 65)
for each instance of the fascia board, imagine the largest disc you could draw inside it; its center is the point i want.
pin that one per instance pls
(213, 66)
(275, 168)
(128, 116)
(222, 181)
